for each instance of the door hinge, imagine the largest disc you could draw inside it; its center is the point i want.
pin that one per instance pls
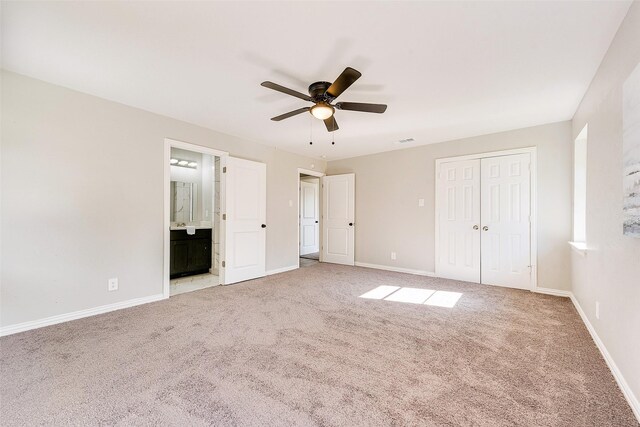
(224, 217)
(224, 169)
(224, 264)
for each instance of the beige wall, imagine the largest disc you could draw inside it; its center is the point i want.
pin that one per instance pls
(82, 198)
(610, 272)
(388, 187)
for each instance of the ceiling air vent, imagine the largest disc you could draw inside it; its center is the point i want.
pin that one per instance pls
(405, 141)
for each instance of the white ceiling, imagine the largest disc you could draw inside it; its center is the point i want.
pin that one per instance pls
(446, 69)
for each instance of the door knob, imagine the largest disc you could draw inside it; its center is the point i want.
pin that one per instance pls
(316, 222)
(485, 228)
(350, 224)
(264, 226)
(475, 227)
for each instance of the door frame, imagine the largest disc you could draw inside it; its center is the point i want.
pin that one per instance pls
(318, 175)
(166, 221)
(533, 250)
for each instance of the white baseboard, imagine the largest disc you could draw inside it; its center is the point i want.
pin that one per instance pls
(53, 320)
(281, 270)
(622, 383)
(551, 291)
(396, 269)
(60, 318)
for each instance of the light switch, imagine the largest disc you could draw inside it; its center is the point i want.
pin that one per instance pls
(421, 203)
(290, 203)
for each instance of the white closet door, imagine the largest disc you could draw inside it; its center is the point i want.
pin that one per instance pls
(338, 213)
(245, 223)
(458, 201)
(506, 210)
(309, 217)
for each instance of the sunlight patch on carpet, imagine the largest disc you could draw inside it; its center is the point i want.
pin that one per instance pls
(414, 296)
(444, 299)
(410, 295)
(380, 292)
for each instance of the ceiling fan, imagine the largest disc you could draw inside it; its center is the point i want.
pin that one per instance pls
(322, 94)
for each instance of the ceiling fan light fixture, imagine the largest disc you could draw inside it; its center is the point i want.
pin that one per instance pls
(322, 111)
(322, 94)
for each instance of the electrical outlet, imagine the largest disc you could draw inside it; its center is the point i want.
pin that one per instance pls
(393, 255)
(113, 284)
(598, 310)
(421, 203)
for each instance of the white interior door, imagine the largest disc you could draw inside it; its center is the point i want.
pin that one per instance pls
(458, 201)
(506, 216)
(244, 220)
(338, 216)
(309, 217)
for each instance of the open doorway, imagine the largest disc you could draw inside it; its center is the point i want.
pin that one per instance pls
(194, 200)
(194, 221)
(309, 217)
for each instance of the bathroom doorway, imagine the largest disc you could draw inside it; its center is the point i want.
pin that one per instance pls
(193, 217)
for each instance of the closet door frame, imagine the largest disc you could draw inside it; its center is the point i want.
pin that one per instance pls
(533, 252)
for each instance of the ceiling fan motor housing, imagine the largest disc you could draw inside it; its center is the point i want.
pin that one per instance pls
(318, 90)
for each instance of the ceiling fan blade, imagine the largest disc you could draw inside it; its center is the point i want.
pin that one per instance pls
(331, 124)
(290, 114)
(344, 80)
(286, 90)
(360, 106)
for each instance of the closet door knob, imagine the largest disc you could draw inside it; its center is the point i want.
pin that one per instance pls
(264, 225)
(350, 224)
(475, 227)
(485, 228)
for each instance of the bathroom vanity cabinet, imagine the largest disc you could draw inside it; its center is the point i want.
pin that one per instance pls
(190, 254)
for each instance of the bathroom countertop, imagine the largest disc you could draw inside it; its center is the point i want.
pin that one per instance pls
(197, 227)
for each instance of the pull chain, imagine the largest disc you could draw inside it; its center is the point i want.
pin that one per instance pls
(333, 138)
(310, 131)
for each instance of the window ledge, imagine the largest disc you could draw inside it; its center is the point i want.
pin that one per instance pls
(579, 247)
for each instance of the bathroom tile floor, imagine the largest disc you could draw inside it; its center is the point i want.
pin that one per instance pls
(193, 283)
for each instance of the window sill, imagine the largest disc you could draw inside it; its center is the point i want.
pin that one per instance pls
(579, 247)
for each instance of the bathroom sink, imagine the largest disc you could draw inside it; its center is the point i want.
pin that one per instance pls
(197, 227)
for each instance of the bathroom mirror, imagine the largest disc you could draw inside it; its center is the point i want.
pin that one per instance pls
(183, 201)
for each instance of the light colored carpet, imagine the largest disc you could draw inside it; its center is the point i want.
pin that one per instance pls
(301, 348)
